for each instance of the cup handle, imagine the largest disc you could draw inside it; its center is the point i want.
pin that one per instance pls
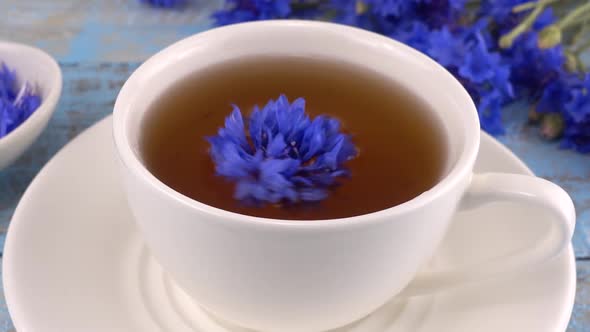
(524, 189)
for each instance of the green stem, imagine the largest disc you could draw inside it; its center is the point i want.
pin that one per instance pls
(581, 19)
(581, 33)
(523, 7)
(574, 16)
(508, 39)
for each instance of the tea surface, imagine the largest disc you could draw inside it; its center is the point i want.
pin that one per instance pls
(401, 148)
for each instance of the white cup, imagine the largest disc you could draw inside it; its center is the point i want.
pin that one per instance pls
(284, 275)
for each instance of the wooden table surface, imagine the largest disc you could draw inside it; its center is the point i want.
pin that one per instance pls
(98, 43)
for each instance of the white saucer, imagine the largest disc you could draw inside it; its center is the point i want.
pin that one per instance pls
(74, 262)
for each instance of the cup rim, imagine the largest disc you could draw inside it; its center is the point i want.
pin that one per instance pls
(458, 171)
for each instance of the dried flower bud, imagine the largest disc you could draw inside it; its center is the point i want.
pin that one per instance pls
(549, 37)
(572, 63)
(552, 126)
(361, 7)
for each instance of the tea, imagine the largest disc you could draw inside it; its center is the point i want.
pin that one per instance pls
(401, 147)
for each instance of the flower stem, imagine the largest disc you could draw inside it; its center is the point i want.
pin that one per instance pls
(553, 34)
(581, 33)
(523, 7)
(573, 64)
(508, 39)
(575, 16)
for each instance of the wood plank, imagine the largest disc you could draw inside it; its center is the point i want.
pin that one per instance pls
(97, 30)
(5, 322)
(580, 321)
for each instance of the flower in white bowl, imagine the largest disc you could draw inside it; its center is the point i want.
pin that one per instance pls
(16, 104)
(32, 83)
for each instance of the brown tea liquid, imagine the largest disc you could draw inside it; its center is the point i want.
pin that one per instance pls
(402, 149)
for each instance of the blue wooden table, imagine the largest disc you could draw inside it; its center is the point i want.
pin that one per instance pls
(98, 43)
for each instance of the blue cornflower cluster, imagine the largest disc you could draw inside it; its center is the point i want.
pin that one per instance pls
(282, 155)
(571, 95)
(164, 3)
(243, 11)
(16, 104)
(500, 50)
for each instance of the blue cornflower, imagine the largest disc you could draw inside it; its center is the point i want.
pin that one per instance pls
(7, 83)
(413, 33)
(489, 110)
(576, 136)
(576, 113)
(236, 11)
(480, 64)
(439, 13)
(446, 48)
(501, 81)
(281, 155)
(16, 105)
(466, 54)
(164, 3)
(349, 12)
(569, 96)
(546, 18)
(534, 68)
(501, 10)
(457, 4)
(557, 93)
(578, 107)
(395, 8)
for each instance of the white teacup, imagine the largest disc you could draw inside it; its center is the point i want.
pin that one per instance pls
(281, 275)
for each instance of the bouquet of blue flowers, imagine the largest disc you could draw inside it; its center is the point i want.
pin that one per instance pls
(500, 50)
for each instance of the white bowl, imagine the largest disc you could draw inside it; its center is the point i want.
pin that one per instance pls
(42, 71)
